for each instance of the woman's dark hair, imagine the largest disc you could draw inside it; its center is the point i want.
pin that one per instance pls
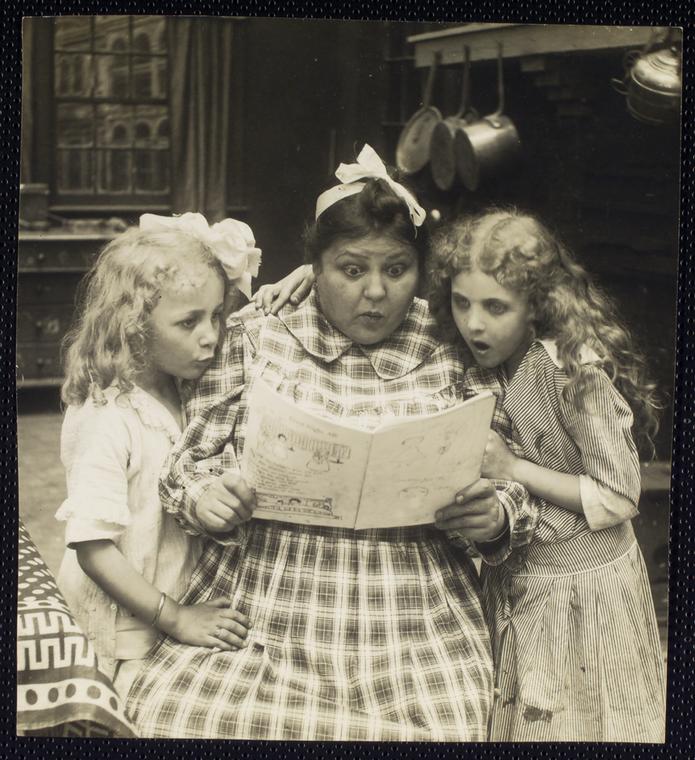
(375, 209)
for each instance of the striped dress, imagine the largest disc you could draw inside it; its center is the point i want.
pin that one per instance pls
(356, 635)
(575, 639)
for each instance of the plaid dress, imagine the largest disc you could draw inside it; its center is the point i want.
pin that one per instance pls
(357, 635)
(575, 638)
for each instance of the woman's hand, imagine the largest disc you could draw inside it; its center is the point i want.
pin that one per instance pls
(226, 504)
(498, 461)
(293, 288)
(210, 624)
(477, 513)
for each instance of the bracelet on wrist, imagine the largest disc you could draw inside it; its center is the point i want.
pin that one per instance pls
(160, 607)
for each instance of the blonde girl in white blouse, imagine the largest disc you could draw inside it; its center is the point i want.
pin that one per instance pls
(152, 313)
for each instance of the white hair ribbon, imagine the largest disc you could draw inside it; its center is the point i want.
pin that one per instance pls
(368, 165)
(230, 240)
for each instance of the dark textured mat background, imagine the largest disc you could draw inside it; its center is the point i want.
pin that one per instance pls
(681, 614)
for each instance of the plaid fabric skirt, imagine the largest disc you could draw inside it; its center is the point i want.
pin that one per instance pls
(372, 635)
(576, 643)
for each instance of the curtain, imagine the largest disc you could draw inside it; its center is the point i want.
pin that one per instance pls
(200, 98)
(27, 126)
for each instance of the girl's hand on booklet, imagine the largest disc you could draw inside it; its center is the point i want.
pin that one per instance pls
(226, 504)
(210, 624)
(498, 461)
(294, 288)
(477, 513)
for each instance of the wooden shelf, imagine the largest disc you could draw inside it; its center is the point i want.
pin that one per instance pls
(656, 476)
(64, 237)
(40, 382)
(521, 40)
(52, 270)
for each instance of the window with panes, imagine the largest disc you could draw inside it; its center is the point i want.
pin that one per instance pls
(111, 122)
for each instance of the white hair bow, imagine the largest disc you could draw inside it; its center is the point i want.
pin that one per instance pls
(230, 240)
(368, 165)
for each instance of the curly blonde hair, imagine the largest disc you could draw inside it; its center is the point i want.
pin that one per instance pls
(108, 342)
(523, 255)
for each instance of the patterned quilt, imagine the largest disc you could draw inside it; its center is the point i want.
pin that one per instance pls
(60, 689)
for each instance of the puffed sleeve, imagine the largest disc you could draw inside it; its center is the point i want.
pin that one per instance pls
(100, 450)
(206, 448)
(602, 430)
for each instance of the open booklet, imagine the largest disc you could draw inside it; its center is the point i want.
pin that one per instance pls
(315, 471)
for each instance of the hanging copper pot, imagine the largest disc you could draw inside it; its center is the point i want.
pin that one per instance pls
(442, 159)
(488, 146)
(413, 149)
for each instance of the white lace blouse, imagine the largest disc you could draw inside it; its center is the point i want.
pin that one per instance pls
(113, 454)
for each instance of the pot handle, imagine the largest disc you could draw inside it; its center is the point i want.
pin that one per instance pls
(653, 39)
(429, 85)
(466, 91)
(494, 117)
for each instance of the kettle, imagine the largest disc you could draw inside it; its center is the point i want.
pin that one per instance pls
(653, 83)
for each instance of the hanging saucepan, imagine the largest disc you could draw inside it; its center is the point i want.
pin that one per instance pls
(652, 82)
(442, 159)
(489, 145)
(413, 149)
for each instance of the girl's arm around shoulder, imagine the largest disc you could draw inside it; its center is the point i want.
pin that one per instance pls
(293, 288)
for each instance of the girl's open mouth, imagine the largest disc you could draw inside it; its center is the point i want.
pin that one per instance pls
(480, 345)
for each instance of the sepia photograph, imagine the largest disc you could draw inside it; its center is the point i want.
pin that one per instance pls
(345, 359)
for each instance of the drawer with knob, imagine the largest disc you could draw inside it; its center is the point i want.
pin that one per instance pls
(51, 266)
(36, 361)
(48, 253)
(54, 288)
(43, 323)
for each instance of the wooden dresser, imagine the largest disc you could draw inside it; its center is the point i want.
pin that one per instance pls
(50, 266)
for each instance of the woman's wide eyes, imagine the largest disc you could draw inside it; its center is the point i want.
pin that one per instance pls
(497, 308)
(395, 270)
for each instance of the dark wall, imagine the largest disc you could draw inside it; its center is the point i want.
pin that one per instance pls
(313, 96)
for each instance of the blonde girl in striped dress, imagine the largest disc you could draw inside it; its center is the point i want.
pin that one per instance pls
(575, 640)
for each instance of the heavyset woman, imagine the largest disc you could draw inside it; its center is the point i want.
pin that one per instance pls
(356, 635)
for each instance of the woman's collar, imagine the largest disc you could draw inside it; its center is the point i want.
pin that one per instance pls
(405, 349)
